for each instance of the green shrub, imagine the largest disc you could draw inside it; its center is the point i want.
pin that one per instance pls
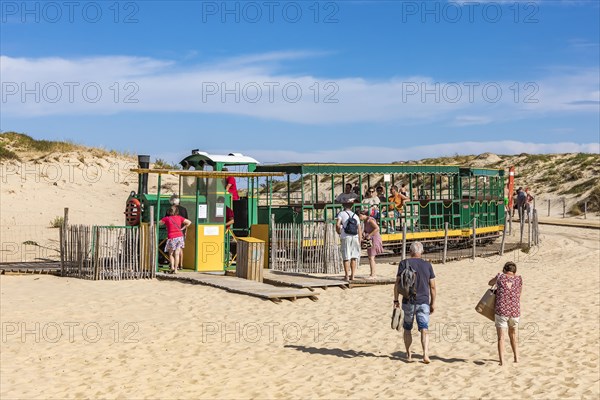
(57, 222)
(575, 210)
(159, 163)
(6, 154)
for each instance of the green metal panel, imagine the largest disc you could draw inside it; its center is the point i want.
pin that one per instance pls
(283, 215)
(338, 169)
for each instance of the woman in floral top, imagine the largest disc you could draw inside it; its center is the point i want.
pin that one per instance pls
(508, 307)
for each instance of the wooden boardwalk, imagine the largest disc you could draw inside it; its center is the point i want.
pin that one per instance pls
(360, 281)
(49, 268)
(321, 281)
(242, 286)
(301, 281)
(570, 222)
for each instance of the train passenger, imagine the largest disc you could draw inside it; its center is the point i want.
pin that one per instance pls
(404, 190)
(348, 196)
(381, 194)
(231, 186)
(371, 201)
(174, 201)
(397, 200)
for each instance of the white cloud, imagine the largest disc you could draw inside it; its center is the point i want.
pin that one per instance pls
(468, 120)
(110, 85)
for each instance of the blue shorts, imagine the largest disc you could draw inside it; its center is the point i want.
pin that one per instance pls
(421, 311)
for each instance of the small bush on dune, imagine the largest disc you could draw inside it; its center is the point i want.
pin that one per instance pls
(6, 154)
(57, 222)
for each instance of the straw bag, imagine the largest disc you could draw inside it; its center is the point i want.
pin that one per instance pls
(487, 304)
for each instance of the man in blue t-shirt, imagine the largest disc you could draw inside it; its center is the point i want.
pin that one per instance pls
(422, 305)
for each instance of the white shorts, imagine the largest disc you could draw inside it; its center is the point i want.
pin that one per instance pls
(350, 248)
(505, 322)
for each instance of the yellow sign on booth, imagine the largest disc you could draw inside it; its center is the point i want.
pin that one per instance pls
(211, 249)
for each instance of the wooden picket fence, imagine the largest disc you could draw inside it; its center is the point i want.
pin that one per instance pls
(307, 248)
(107, 252)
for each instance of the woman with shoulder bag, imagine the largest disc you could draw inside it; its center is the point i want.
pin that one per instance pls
(371, 239)
(508, 307)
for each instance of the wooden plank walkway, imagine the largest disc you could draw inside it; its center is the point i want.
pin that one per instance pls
(312, 281)
(301, 280)
(570, 222)
(360, 281)
(241, 286)
(49, 268)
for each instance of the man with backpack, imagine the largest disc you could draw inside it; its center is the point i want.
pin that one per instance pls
(415, 282)
(348, 227)
(521, 202)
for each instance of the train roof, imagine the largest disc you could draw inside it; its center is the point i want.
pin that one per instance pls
(340, 169)
(198, 158)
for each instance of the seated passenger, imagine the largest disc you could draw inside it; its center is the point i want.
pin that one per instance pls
(348, 196)
(371, 202)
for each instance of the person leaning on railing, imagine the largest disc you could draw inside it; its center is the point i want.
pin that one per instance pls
(397, 200)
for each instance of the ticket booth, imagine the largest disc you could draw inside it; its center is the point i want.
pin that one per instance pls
(201, 187)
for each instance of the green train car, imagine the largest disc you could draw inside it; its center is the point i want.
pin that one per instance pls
(439, 197)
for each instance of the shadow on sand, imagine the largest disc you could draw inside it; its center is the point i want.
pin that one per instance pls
(398, 356)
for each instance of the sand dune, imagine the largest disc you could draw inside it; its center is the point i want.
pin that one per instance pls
(152, 339)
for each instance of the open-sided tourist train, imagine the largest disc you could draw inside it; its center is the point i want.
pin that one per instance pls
(443, 200)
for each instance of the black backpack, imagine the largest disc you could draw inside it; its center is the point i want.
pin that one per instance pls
(351, 227)
(521, 199)
(407, 286)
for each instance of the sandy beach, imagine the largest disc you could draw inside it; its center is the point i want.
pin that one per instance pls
(69, 338)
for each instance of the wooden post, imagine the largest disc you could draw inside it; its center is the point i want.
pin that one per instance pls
(63, 238)
(95, 258)
(564, 207)
(521, 224)
(503, 240)
(529, 232)
(474, 237)
(404, 241)
(152, 244)
(537, 230)
(274, 240)
(548, 207)
(445, 243)
(585, 210)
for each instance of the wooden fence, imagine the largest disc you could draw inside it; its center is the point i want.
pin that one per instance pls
(308, 248)
(108, 253)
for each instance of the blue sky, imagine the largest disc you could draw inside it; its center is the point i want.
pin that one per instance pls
(340, 81)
